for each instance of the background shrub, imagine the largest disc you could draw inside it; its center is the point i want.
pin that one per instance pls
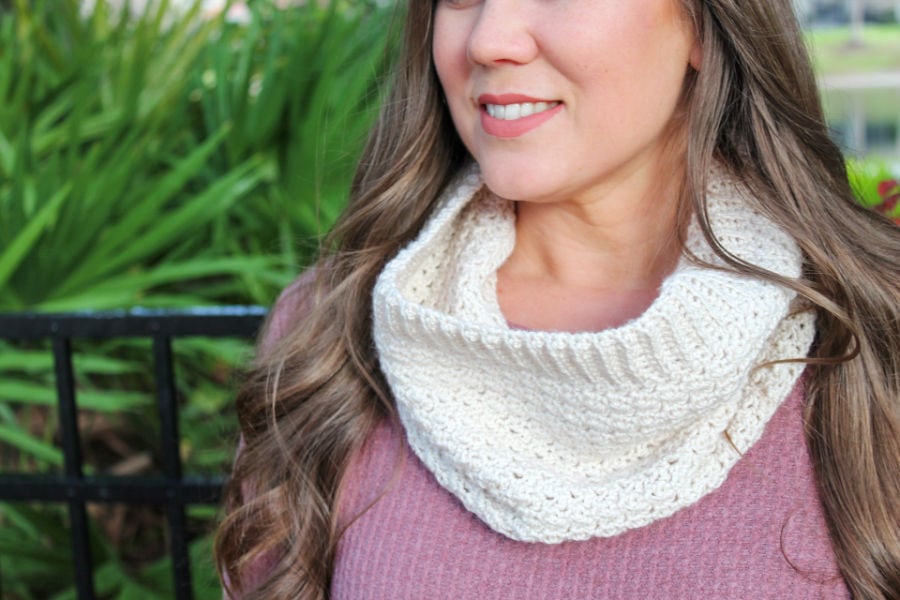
(158, 159)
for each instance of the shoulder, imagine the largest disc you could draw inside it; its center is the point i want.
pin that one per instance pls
(294, 303)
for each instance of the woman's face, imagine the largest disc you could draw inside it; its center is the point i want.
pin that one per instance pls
(564, 99)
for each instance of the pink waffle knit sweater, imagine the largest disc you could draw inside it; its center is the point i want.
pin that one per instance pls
(762, 534)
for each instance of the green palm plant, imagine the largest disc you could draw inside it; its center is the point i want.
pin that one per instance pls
(147, 160)
(102, 188)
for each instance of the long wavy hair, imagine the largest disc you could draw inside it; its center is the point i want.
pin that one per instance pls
(315, 393)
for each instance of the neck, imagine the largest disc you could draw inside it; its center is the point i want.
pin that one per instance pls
(598, 263)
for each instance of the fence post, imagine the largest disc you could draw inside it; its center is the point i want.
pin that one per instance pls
(79, 527)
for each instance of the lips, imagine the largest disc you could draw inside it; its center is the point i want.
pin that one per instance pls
(513, 115)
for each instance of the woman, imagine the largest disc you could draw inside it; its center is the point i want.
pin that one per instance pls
(602, 261)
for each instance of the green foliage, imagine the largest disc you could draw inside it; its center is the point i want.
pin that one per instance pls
(158, 161)
(272, 77)
(138, 157)
(42, 566)
(865, 177)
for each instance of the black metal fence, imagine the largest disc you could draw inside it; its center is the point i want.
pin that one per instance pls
(173, 490)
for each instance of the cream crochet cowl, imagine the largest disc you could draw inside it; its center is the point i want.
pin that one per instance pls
(553, 436)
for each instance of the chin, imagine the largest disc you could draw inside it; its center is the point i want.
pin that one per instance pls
(516, 184)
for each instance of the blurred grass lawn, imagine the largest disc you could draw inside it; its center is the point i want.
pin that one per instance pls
(833, 54)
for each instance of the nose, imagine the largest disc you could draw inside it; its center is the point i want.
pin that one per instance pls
(502, 33)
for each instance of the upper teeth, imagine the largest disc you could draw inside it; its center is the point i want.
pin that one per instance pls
(508, 112)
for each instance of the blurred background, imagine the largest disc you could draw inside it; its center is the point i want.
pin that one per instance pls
(856, 48)
(184, 153)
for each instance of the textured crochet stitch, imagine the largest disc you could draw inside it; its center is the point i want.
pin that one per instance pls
(554, 436)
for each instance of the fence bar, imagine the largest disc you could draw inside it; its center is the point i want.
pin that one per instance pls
(72, 487)
(212, 321)
(68, 424)
(167, 403)
(108, 489)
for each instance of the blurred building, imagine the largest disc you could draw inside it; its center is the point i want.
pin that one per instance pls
(840, 12)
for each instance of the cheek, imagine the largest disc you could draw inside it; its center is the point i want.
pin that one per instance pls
(448, 51)
(452, 68)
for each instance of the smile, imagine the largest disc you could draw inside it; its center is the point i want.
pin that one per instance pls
(513, 115)
(511, 112)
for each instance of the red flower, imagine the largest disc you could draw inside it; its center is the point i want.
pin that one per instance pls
(887, 186)
(889, 190)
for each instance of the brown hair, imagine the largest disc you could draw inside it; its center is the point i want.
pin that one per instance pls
(756, 93)
(315, 394)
